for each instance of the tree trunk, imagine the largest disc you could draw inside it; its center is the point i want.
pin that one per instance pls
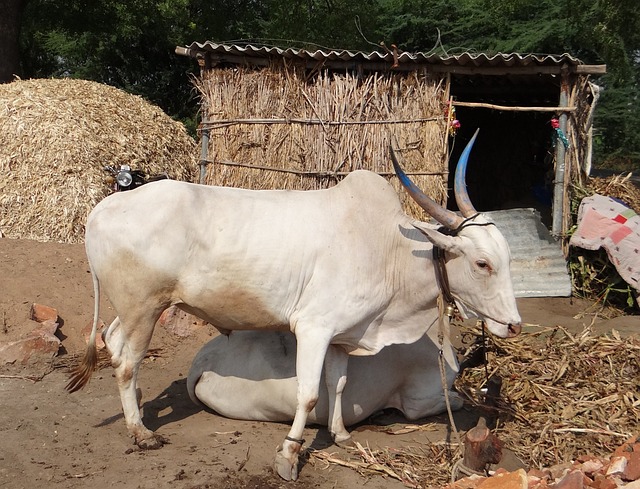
(10, 38)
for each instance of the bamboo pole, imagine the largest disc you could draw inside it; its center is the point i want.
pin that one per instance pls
(317, 173)
(511, 108)
(229, 122)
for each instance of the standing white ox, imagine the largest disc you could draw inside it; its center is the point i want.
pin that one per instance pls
(344, 269)
(252, 375)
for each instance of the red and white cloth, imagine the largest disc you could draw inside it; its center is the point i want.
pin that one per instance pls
(604, 222)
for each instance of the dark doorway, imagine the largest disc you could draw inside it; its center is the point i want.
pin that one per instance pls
(511, 164)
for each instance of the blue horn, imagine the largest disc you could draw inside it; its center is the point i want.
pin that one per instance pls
(460, 185)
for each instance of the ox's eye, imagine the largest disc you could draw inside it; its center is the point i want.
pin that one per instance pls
(483, 265)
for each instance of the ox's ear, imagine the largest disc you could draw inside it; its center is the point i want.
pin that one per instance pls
(452, 244)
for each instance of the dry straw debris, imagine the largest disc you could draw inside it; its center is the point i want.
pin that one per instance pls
(619, 187)
(564, 395)
(56, 135)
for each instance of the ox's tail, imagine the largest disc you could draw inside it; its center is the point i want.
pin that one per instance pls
(81, 375)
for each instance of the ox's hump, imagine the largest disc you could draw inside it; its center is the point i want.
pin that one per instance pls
(360, 187)
(370, 188)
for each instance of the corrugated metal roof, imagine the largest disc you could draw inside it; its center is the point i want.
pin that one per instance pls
(538, 266)
(466, 59)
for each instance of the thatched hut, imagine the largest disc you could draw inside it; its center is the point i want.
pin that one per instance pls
(291, 118)
(56, 136)
(279, 129)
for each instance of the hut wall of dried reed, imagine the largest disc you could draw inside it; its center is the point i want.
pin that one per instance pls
(279, 127)
(55, 138)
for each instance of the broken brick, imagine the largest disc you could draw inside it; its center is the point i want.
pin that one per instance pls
(617, 466)
(509, 480)
(632, 470)
(86, 332)
(573, 480)
(41, 313)
(40, 344)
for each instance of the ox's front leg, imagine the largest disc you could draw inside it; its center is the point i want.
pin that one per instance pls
(312, 348)
(335, 369)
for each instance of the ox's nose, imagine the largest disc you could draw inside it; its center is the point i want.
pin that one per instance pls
(514, 330)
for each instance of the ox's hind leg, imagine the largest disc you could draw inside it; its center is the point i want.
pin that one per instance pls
(335, 369)
(128, 341)
(312, 347)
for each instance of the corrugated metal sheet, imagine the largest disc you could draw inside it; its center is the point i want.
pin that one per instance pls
(464, 59)
(538, 267)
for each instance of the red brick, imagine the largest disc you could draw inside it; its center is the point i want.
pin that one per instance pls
(510, 480)
(535, 482)
(626, 447)
(39, 344)
(586, 458)
(41, 313)
(617, 465)
(541, 474)
(573, 480)
(86, 332)
(632, 470)
(601, 482)
(591, 466)
(470, 482)
(560, 470)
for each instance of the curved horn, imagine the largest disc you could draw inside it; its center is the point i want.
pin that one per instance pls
(460, 185)
(445, 217)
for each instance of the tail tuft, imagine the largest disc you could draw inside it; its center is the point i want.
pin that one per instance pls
(81, 375)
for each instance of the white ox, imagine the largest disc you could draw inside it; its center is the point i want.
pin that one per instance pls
(252, 375)
(344, 269)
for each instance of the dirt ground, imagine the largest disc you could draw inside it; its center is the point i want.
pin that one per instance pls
(50, 438)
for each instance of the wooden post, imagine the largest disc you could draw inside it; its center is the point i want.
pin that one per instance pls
(481, 447)
(559, 182)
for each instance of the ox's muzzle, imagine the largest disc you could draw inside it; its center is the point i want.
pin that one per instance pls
(513, 330)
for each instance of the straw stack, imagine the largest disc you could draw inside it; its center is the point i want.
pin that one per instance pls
(565, 396)
(55, 138)
(281, 127)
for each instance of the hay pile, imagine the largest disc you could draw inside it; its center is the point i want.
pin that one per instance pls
(281, 127)
(619, 187)
(55, 138)
(564, 395)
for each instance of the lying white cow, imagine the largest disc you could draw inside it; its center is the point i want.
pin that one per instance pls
(252, 375)
(344, 269)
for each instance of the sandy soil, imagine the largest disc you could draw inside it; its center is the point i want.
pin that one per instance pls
(50, 438)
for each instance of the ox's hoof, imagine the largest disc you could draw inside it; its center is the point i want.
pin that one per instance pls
(285, 469)
(153, 442)
(344, 442)
(342, 439)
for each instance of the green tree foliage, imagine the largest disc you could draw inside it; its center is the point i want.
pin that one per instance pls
(127, 44)
(596, 31)
(130, 44)
(614, 28)
(313, 24)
